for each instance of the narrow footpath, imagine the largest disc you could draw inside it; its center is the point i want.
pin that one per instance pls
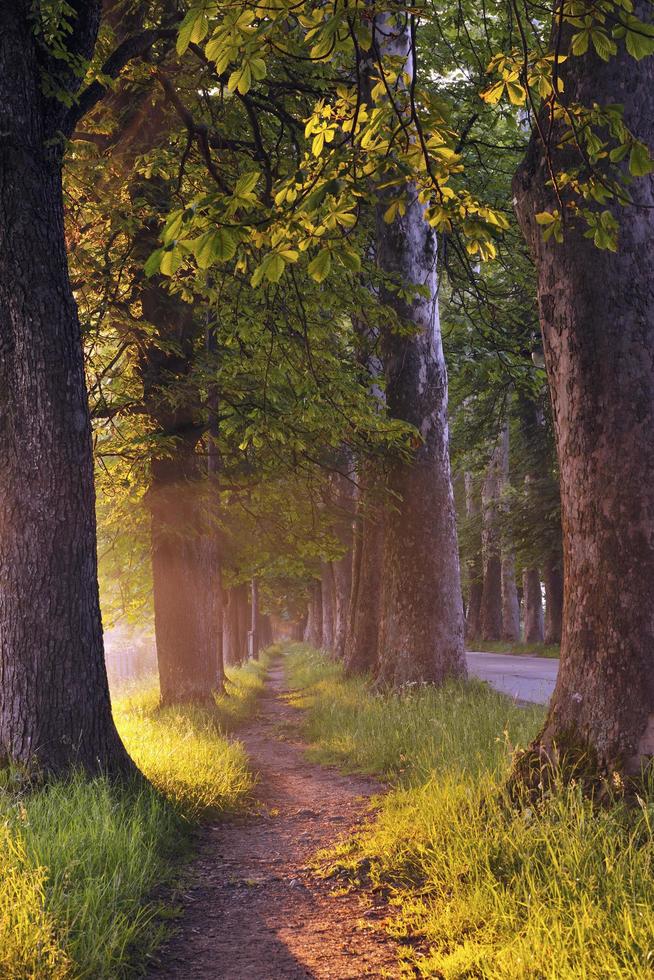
(254, 910)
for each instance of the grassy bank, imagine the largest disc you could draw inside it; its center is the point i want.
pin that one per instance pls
(79, 859)
(562, 891)
(549, 650)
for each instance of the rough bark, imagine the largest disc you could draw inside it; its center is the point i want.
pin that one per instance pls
(553, 602)
(421, 628)
(54, 700)
(597, 317)
(474, 563)
(491, 600)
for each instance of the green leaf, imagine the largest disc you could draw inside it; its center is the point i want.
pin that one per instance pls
(246, 183)
(153, 263)
(640, 162)
(639, 40)
(350, 260)
(218, 245)
(170, 262)
(319, 268)
(603, 44)
(193, 29)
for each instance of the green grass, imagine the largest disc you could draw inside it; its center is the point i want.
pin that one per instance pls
(79, 859)
(551, 650)
(559, 891)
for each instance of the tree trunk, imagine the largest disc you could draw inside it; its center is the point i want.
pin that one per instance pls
(313, 630)
(183, 581)
(510, 600)
(342, 567)
(55, 713)
(328, 604)
(235, 625)
(491, 600)
(421, 628)
(553, 602)
(597, 316)
(362, 636)
(342, 591)
(254, 619)
(533, 605)
(474, 563)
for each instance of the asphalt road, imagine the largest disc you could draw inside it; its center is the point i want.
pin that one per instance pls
(522, 678)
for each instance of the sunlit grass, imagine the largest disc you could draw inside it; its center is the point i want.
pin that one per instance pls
(79, 859)
(562, 891)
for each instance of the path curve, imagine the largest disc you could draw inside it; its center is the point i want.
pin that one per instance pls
(254, 911)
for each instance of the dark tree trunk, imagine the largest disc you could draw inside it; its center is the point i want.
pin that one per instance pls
(491, 600)
(597, 316)
(328, 604)
(474, 563)
(533, 605)
(362, 636)
(186, 633)
(553, 602)
(54, 699)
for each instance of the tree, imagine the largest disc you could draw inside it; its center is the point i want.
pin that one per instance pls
(54, 700)
(597, 316)
(421, 627)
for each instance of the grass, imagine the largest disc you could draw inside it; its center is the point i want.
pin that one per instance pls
(549, 650)
(559, 891)
(79, 859)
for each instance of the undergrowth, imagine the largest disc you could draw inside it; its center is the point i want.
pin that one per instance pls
(558, 891)
(79, 859)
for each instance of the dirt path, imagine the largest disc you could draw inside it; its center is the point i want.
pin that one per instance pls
(254, 911)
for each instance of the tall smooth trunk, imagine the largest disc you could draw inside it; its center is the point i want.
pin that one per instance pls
(313, 629)
(491, 600)
(328, 605)
(474, 562)
(421, 628)
(184, 582)
(510, 600)
(55, 713)
(597, 317)
(533, 605)
(254, 619)
(362, 637)
(553, 602)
